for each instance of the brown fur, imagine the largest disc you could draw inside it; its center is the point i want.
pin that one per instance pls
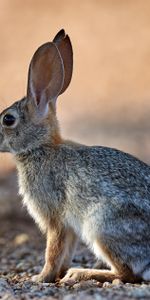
(99, 275)
(71, 243)
(54, 255)
(125, 273)
(119, 271)
(56, 139)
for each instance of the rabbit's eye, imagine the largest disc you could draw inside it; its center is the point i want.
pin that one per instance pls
(9, 120)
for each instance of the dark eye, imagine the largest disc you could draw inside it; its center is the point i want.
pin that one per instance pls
(8, 120)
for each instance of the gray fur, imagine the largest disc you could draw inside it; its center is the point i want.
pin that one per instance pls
(101, 193)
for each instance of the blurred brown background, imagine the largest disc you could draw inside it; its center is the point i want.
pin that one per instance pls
(108, 101)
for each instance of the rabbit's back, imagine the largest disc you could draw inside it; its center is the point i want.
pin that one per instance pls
(101, 171)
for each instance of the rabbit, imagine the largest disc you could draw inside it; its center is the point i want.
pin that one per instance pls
(98, 194)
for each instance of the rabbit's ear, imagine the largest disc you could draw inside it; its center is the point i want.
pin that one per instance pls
(46, 76)
(64, 46)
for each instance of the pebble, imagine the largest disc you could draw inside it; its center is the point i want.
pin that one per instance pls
(117, 282)
(21, 239)
(107, 284)
(45, 284)
(83, 285)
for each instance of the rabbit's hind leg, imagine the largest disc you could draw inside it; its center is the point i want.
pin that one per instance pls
(74, 275)
(118, 266)
(119, 270)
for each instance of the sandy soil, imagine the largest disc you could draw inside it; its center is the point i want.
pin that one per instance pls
(21, 256)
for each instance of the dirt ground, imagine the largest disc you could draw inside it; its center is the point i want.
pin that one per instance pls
(21, 256)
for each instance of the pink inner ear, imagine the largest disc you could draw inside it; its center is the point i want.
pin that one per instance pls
(63, 44)
(46, 74)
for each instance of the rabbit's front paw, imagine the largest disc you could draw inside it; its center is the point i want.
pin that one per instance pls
(37, 278)
(42, 277)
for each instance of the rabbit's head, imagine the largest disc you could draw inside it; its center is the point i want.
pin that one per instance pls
(31, 122)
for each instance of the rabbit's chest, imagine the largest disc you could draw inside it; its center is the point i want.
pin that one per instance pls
(38, 212)
(36, 200)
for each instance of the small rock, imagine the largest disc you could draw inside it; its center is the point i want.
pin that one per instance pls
(107, 284)
(128, 284)
(144, 285)
(117, 282)
(45, 284)
(70, 282)
(21, 239)
(86, 284)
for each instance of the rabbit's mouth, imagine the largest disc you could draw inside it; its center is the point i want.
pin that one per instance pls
(3, 146)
